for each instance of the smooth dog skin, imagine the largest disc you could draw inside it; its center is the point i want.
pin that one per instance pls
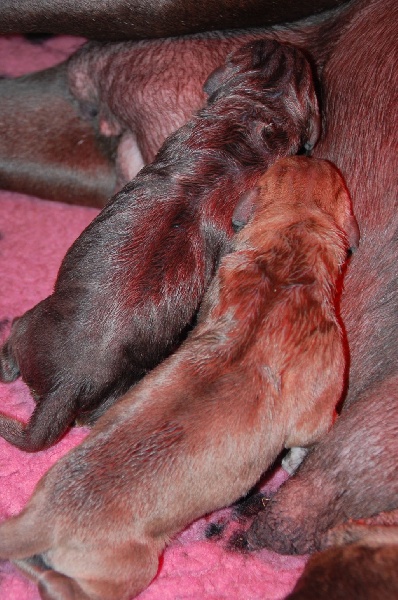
(130, 19)
(131, 284)
(359, 562)
(263, 370)
(46, 148)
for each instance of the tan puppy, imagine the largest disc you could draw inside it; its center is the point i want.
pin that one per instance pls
(262, 371)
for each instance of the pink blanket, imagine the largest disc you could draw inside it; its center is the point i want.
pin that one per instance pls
(34, 236)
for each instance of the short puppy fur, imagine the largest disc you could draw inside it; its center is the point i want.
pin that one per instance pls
(131, 284)
(262, 371)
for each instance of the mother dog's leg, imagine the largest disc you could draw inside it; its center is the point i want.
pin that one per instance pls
(123, 19)
(128, 98)
(47, 149)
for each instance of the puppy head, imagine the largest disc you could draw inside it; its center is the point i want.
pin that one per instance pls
(305, 181)
(319, 182)
(276, 75)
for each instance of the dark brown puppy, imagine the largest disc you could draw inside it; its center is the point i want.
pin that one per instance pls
(265, 366)
(131, 284)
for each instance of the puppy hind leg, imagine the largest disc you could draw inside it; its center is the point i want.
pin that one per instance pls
(26, 534)
(101, 570)
(51, 584)
(51, 418)
(55, 586)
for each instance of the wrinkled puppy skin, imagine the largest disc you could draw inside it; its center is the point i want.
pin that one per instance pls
(257, 374)
(131, 284)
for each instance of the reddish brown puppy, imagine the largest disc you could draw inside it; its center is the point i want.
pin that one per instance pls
(336, 483)
(265, 364)
(131, 284)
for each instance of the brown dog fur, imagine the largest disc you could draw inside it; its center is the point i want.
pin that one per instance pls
(354, 572)
(131, 19)
(265, 365)
(131, 284)
(359, 562)
(335, 483)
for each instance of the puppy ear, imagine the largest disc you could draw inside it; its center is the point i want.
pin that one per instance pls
(214, 80)
(353, 234)
(245, 208)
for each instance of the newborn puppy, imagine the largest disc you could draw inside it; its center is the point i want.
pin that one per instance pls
(263, 370)
(131, 284)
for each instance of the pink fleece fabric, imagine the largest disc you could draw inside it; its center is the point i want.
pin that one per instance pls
(34, 236)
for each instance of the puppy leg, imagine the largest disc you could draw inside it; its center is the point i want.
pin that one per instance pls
(102, 567)
(50, 420)
(52, 585)
(104, 576)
